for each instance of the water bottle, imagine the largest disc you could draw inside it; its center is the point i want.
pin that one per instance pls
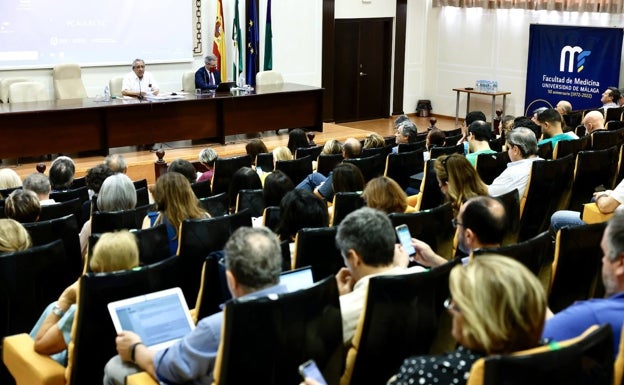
(107, 95)
(259, 170)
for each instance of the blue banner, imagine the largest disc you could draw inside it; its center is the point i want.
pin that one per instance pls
(576, 64)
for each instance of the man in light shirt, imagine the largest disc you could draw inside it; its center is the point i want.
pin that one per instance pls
(139, 82)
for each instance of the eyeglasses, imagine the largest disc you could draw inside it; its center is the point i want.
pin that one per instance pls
(450, 305)
(456, 223)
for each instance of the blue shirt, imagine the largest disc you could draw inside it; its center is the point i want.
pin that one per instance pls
(192, 359)
(171, 231)
(576, 318)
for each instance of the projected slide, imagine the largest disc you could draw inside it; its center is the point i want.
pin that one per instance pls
(42, 33)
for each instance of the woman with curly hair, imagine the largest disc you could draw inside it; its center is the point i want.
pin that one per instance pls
(458, 179)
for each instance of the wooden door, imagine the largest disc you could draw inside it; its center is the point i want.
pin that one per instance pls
(362, 69)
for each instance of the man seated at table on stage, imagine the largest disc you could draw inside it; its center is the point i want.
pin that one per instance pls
(139, 82)
(208, 77)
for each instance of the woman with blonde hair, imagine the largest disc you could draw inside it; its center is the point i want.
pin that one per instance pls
(383, 193)
(374, 140)
(9, 179)
(458, 179)
(332, 146)
(13, 236)
(498, 307)
(176, 202)
(52, 333)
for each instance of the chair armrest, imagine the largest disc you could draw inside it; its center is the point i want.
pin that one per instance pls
(140, 379)
(591, 214)
(27, 366)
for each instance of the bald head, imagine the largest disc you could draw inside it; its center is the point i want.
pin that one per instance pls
(486, 218)
(352, 148)
(564, 107)
(593, 121)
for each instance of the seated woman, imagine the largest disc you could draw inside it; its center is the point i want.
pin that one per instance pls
(207, 157)
(184, 167)
(13, 236)
(383, 193)
(332, 146)
(176, 202)
(243, 178)
(297, 138)
(435, 138)
(276, 185)
(23, 206)
(279, 153)
(498, 307)
(374, 140)
(458, 179)
(52, 332)
(253, 148)
(116, 194)
(9, 179)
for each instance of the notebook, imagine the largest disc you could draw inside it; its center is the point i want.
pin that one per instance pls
(225, 86)
(160, 318)
(297, 279)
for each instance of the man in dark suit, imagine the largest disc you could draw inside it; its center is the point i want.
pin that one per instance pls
(208, 77)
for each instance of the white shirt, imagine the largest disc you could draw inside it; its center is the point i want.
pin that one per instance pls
(515, 176)
(131, 82)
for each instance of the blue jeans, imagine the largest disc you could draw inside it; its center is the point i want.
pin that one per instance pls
(563, 218)
(311, 181)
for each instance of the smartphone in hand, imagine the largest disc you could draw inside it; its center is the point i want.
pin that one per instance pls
(405, 238)
(309, 369)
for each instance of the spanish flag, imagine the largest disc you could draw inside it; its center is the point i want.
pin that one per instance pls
(218, 46)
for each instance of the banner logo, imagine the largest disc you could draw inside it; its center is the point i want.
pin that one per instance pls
(569, 53)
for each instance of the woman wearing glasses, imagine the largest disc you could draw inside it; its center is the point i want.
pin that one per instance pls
(498, 307)
(458, 179)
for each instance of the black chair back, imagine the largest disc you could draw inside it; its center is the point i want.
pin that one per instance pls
(414, 305)
(296, 169)
(224, 168)
(62, 209)
(409, 147)
(66, 229)
(142, 197)
(213, 290)
(103, 222)
(403, 165)
(577, 266)
(326, 163)
(593, 169)
(490, 166)
(29, 280)
(271, 217)
(316, 247)
(92, 323)
(252, 199)
(284, 332)
(547, 191)
(345, 203)
(371, 167)
(313, 151)
(217, 205)
(511, 202)
(614, 114)
(79, 182)
(446, 150)
(545, 150)
(603, 139)
(614, 125)
(201, 189)
(5, 192)
(63, 196)
(265, 161)
(141, 183)
(567, 147)
(430, 194)
(432, 226)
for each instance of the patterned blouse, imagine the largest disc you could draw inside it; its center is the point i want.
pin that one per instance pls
(452, 368)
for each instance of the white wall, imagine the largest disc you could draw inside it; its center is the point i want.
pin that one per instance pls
(464, 45)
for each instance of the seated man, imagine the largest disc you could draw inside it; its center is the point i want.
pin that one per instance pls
(22, 206)
(471, 117)
(139, 82)
(406, 132)
(552, 127)
(482, 222)
(593, 121)
(208, 77)
(40, 185)
(366, 239)
(610, 98)
(479, 135)
(62, 173)
(522, 150)
(575, 319)
(192, 359)
(563, 107)
(117, 163)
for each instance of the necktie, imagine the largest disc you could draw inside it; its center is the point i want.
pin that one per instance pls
(211, 79)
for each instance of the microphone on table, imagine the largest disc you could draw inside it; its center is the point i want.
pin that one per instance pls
(140, 97)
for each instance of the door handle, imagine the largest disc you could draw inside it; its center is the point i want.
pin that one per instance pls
(363, 74)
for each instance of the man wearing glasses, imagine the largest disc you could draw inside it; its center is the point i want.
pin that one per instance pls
(522, 150)
(138, 82)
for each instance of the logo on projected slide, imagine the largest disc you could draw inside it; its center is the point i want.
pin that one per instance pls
(575, 58)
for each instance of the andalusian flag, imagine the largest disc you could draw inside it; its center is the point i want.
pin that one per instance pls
(218, 45)
(252, 42)
(237, 41)
(268, 41)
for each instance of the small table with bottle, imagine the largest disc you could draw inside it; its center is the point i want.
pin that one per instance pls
(489, 88)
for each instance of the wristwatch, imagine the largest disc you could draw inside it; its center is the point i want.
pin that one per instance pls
(58, 311)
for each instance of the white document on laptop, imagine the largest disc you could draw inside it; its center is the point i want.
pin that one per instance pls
(159, 318)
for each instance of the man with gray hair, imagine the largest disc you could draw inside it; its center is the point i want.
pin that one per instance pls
(208, 77)
(40, 185)
(366, 239)
(253, 265)
(576, 318)
(406, 132)
(522, 150)
(117, 163)
(139, 82)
